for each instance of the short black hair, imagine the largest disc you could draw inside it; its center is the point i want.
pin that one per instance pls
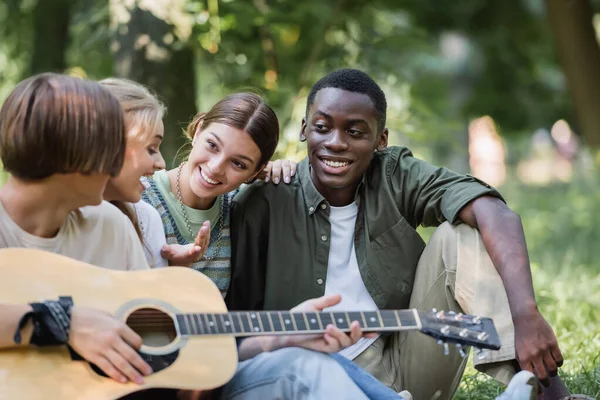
(355, 81)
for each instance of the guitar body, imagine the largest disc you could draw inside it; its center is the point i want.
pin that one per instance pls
(179, 361)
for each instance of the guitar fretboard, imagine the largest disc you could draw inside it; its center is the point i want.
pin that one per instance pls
(250, 323)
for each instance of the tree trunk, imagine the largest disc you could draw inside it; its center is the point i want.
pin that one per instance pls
(51, 36)
(142, 56)
(579, 54)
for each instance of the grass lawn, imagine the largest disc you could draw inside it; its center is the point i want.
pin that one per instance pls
(562, 226)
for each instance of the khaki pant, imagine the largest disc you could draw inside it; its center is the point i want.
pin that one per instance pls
(454, 273)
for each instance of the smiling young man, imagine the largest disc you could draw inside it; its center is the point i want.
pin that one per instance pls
(347, 224)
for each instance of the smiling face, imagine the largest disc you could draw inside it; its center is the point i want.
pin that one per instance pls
(341, 133)
(142, 158)
(221, 160)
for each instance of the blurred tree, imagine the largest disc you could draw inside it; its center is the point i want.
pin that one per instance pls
(579, 53)
(439, 66)
(151, 48)
(51, 20)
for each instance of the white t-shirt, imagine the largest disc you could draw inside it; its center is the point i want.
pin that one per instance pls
(153, 233)
(100, 235)
(343, 275)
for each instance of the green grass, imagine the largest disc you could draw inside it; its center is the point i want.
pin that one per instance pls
(562, 226)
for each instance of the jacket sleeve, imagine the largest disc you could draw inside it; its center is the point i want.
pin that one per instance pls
(428, 195)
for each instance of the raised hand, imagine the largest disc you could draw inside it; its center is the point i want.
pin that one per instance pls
(186, 255)
(108, 343)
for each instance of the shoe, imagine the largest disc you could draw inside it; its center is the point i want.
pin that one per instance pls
(522, 386)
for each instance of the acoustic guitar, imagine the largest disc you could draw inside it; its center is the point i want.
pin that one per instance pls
(180, 314)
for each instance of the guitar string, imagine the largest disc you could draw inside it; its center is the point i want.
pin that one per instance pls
(164, 321)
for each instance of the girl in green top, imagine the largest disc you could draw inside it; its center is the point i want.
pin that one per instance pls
(231, 145)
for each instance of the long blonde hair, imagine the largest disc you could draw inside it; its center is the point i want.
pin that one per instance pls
(141, 108)
(140, 105)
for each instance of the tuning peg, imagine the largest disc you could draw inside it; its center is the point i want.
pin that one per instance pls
(446, 349)
(481, 354)
(476, 320)
(460, 350)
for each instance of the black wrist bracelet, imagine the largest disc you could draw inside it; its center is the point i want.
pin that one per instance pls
(51, 323)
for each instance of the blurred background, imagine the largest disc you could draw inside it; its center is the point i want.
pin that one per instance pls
(506, 90)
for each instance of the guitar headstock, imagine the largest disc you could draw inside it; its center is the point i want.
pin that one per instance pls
(461, 329)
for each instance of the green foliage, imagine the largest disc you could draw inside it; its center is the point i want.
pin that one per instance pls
(561, 225)
(439, 66)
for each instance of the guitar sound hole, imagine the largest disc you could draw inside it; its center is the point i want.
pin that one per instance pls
(156, 327)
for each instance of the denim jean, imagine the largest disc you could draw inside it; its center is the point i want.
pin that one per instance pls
(370, 386)
(290, 374)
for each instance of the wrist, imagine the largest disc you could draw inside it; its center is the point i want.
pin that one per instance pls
(272, 343)
(524, 310)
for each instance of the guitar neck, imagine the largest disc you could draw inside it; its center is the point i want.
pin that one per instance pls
(250, 323)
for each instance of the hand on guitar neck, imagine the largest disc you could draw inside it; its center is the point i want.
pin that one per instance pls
(182, 320)
(332, 341)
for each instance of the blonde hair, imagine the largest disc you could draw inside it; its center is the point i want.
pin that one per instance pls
(141, 107)
(53, 123)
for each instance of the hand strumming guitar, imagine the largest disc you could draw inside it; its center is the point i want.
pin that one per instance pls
(109, 343)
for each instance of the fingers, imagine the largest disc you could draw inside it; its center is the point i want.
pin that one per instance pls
(331, 344)
(276, 171)
(132, 357)
(326, 301)
(267, 171)
(203, 235)
(557, 356)
(166, 252)
(342, 339)
(129, 336)
(550, 364)
(109, 369)
(541, 372)
(355, 332)
(289, 169)
(124, 367)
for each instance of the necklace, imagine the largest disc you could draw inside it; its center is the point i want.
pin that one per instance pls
(186, 219)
